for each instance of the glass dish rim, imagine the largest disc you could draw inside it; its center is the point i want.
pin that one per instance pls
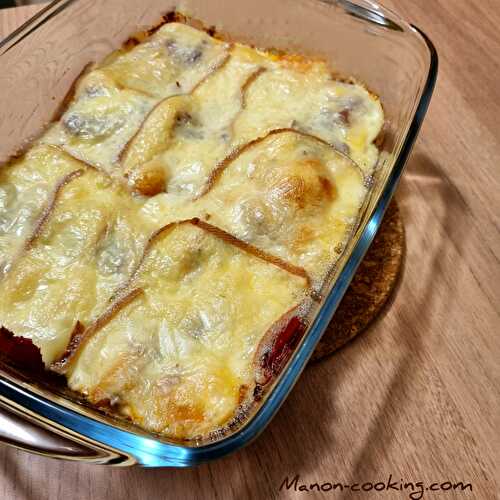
(148, 451)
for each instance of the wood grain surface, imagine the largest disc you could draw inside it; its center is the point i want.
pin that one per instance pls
(418, 395)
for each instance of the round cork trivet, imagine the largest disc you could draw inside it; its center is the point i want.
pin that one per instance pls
(370, 288)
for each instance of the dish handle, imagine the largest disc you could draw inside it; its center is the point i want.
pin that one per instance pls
(22, 431)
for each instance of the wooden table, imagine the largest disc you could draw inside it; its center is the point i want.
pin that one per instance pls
(418, 396)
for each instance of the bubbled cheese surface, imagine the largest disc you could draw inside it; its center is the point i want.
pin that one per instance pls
(191, 195)
(289, 194)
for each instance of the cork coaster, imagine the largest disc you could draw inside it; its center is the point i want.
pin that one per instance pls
(370, 288)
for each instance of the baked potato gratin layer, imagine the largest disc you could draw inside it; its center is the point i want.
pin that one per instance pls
(163, 241)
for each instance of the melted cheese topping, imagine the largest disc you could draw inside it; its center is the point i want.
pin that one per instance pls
(26, 186)
(180, 357)
(289, 194)
(263, 158)
(307, 99)
(100, 121)
(186, 136)
(87, 248)
(113, 100)
(173, 61)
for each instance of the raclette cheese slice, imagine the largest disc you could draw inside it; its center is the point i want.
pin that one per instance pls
(27, 188)
(100, 120)
(86, 248)
(174, 60)
(181, 357)
(304, 96)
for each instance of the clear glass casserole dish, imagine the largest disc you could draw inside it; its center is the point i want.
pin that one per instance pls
(41, 60)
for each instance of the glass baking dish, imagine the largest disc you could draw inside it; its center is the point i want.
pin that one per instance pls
(40, 61)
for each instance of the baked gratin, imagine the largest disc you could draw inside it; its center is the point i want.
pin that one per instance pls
(163, 242)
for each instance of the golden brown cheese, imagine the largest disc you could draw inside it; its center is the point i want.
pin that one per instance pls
(178, 358)
(87, 247)
(288, 193)
(173, 324)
